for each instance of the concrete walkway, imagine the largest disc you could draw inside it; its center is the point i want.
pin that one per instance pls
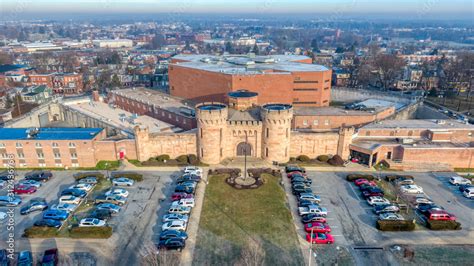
(193, 225)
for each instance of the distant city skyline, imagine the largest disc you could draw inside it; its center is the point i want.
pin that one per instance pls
(422, 8)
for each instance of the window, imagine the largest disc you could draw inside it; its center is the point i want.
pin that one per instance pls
(72, 145)
(327, 88)
(41, 164)
(305, 102)
(410, 133)
(305, 81)
(327, 80)
(40, 155)
(2, 145)
(266, 152)
(59, 165)
(19, 145)
(57, 155)
(75, 165)
(55, 144)
(305, 122)
(316, 122)
(305, 89)
(326, 122)
(74, 155)
(21, 155)
(267, 132)
(38, 145)
(367, 133)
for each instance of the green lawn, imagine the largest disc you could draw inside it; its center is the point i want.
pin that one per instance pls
(233, 220)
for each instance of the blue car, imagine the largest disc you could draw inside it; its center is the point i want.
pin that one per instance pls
(74, 192)
(10, 201)
(48, 223)
(56, 215)
(25, 258)
(34, 205)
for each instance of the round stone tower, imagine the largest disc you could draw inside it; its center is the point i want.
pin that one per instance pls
(276, 120)
(242, 99)
(211, 125)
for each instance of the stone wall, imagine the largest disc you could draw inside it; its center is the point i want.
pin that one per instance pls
(313, 144)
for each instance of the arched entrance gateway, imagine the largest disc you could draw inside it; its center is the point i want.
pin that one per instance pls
(244, 149)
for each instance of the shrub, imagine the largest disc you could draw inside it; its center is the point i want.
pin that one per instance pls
(391, 178)
(135, 176)
(336, 160)
(81, 175)
(323, 158)
(352, 177)
(193, 159)
(163, 157)
(303, 158)
(40, 232)
(182, 159)
(443, 225)
(91, 232)
(396, 225)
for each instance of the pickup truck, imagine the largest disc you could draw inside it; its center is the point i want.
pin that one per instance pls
(315, 209)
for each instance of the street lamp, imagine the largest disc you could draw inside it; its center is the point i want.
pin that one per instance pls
(310, 246)
(245, 155)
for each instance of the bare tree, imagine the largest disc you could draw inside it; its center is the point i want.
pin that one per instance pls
(388, 68)
(152, 256)
(253, 253)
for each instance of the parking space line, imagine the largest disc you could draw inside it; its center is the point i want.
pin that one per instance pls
(356, 194)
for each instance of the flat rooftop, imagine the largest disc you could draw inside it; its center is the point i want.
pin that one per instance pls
(157, 98)
(50, 134)
(420, 124)
(244, 65)
(334, 111)
(375, 103)
(371, 144)
(119, 118)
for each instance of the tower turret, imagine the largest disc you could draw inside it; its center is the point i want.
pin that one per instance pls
(276, 132)
(211, 125)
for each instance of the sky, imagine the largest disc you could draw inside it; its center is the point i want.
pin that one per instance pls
(450, 8)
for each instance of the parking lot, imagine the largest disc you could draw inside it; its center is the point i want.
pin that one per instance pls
(353, 221)
(137, 224)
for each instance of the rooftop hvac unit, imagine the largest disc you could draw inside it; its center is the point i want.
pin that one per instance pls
(408, 141)
(440, 122)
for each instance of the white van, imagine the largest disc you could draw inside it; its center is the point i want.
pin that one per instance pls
(469, 192)
(192, 170)
(458, 180)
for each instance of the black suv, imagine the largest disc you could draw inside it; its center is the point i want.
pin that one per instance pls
(172, 243)
(40, 176)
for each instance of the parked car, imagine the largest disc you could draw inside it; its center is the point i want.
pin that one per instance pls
(193, 170)
(167, 234)
(175, 217)
(179, 209)
(25, 258)
(313, 217)
(189, 177)
(390, 216)
(404, 181)
(411, 189)
(300, 179)
(317, 227)
(88, 180)
(41, 176)
(123, 181)
(374, 201)
(312, 209)
(5, 176)
(439, 215)
(464, 187)
(74, 192)
(386, 208)
(117, 191)
(27, 182)
(185, 189)
(50, 257)
(105, 215)
(361, 181)
(92, 222)
(172, 243)
(181, 195)
(174, 225)
(34, 205)
(109, 206)
(82, 186)
(425, 207)
(4, 260)
(296, 173)
(10, 201)
(367, 186)
(422, 199)
(114, 199)
(294, 168)
(3, 184)
(65, 207)
(458, 180)
(190, 184)
(184, 202)
(49, 223)
(24, 189)
(372, 192)
(305, 203)
(468, 192)
(70, 199)
(320, 238)
(56, 215)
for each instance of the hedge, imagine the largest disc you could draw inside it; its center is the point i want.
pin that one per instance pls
(40, 232)
(81, 175)
(91, 232)
(193, 159)
(443, 225)
(182, 159)
(134, 176)
(163, 157)
(336, 160)
(388, 225)
(391, 178)
(303, 158)
(352, 177)
(323, 158)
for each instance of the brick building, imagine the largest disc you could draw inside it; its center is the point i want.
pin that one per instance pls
(288, 79)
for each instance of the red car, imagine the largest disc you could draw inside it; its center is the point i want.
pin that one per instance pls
(317, 227)
(21, 189)
(290, 175)
(320, 238)
(181, 195)
(361, 181)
